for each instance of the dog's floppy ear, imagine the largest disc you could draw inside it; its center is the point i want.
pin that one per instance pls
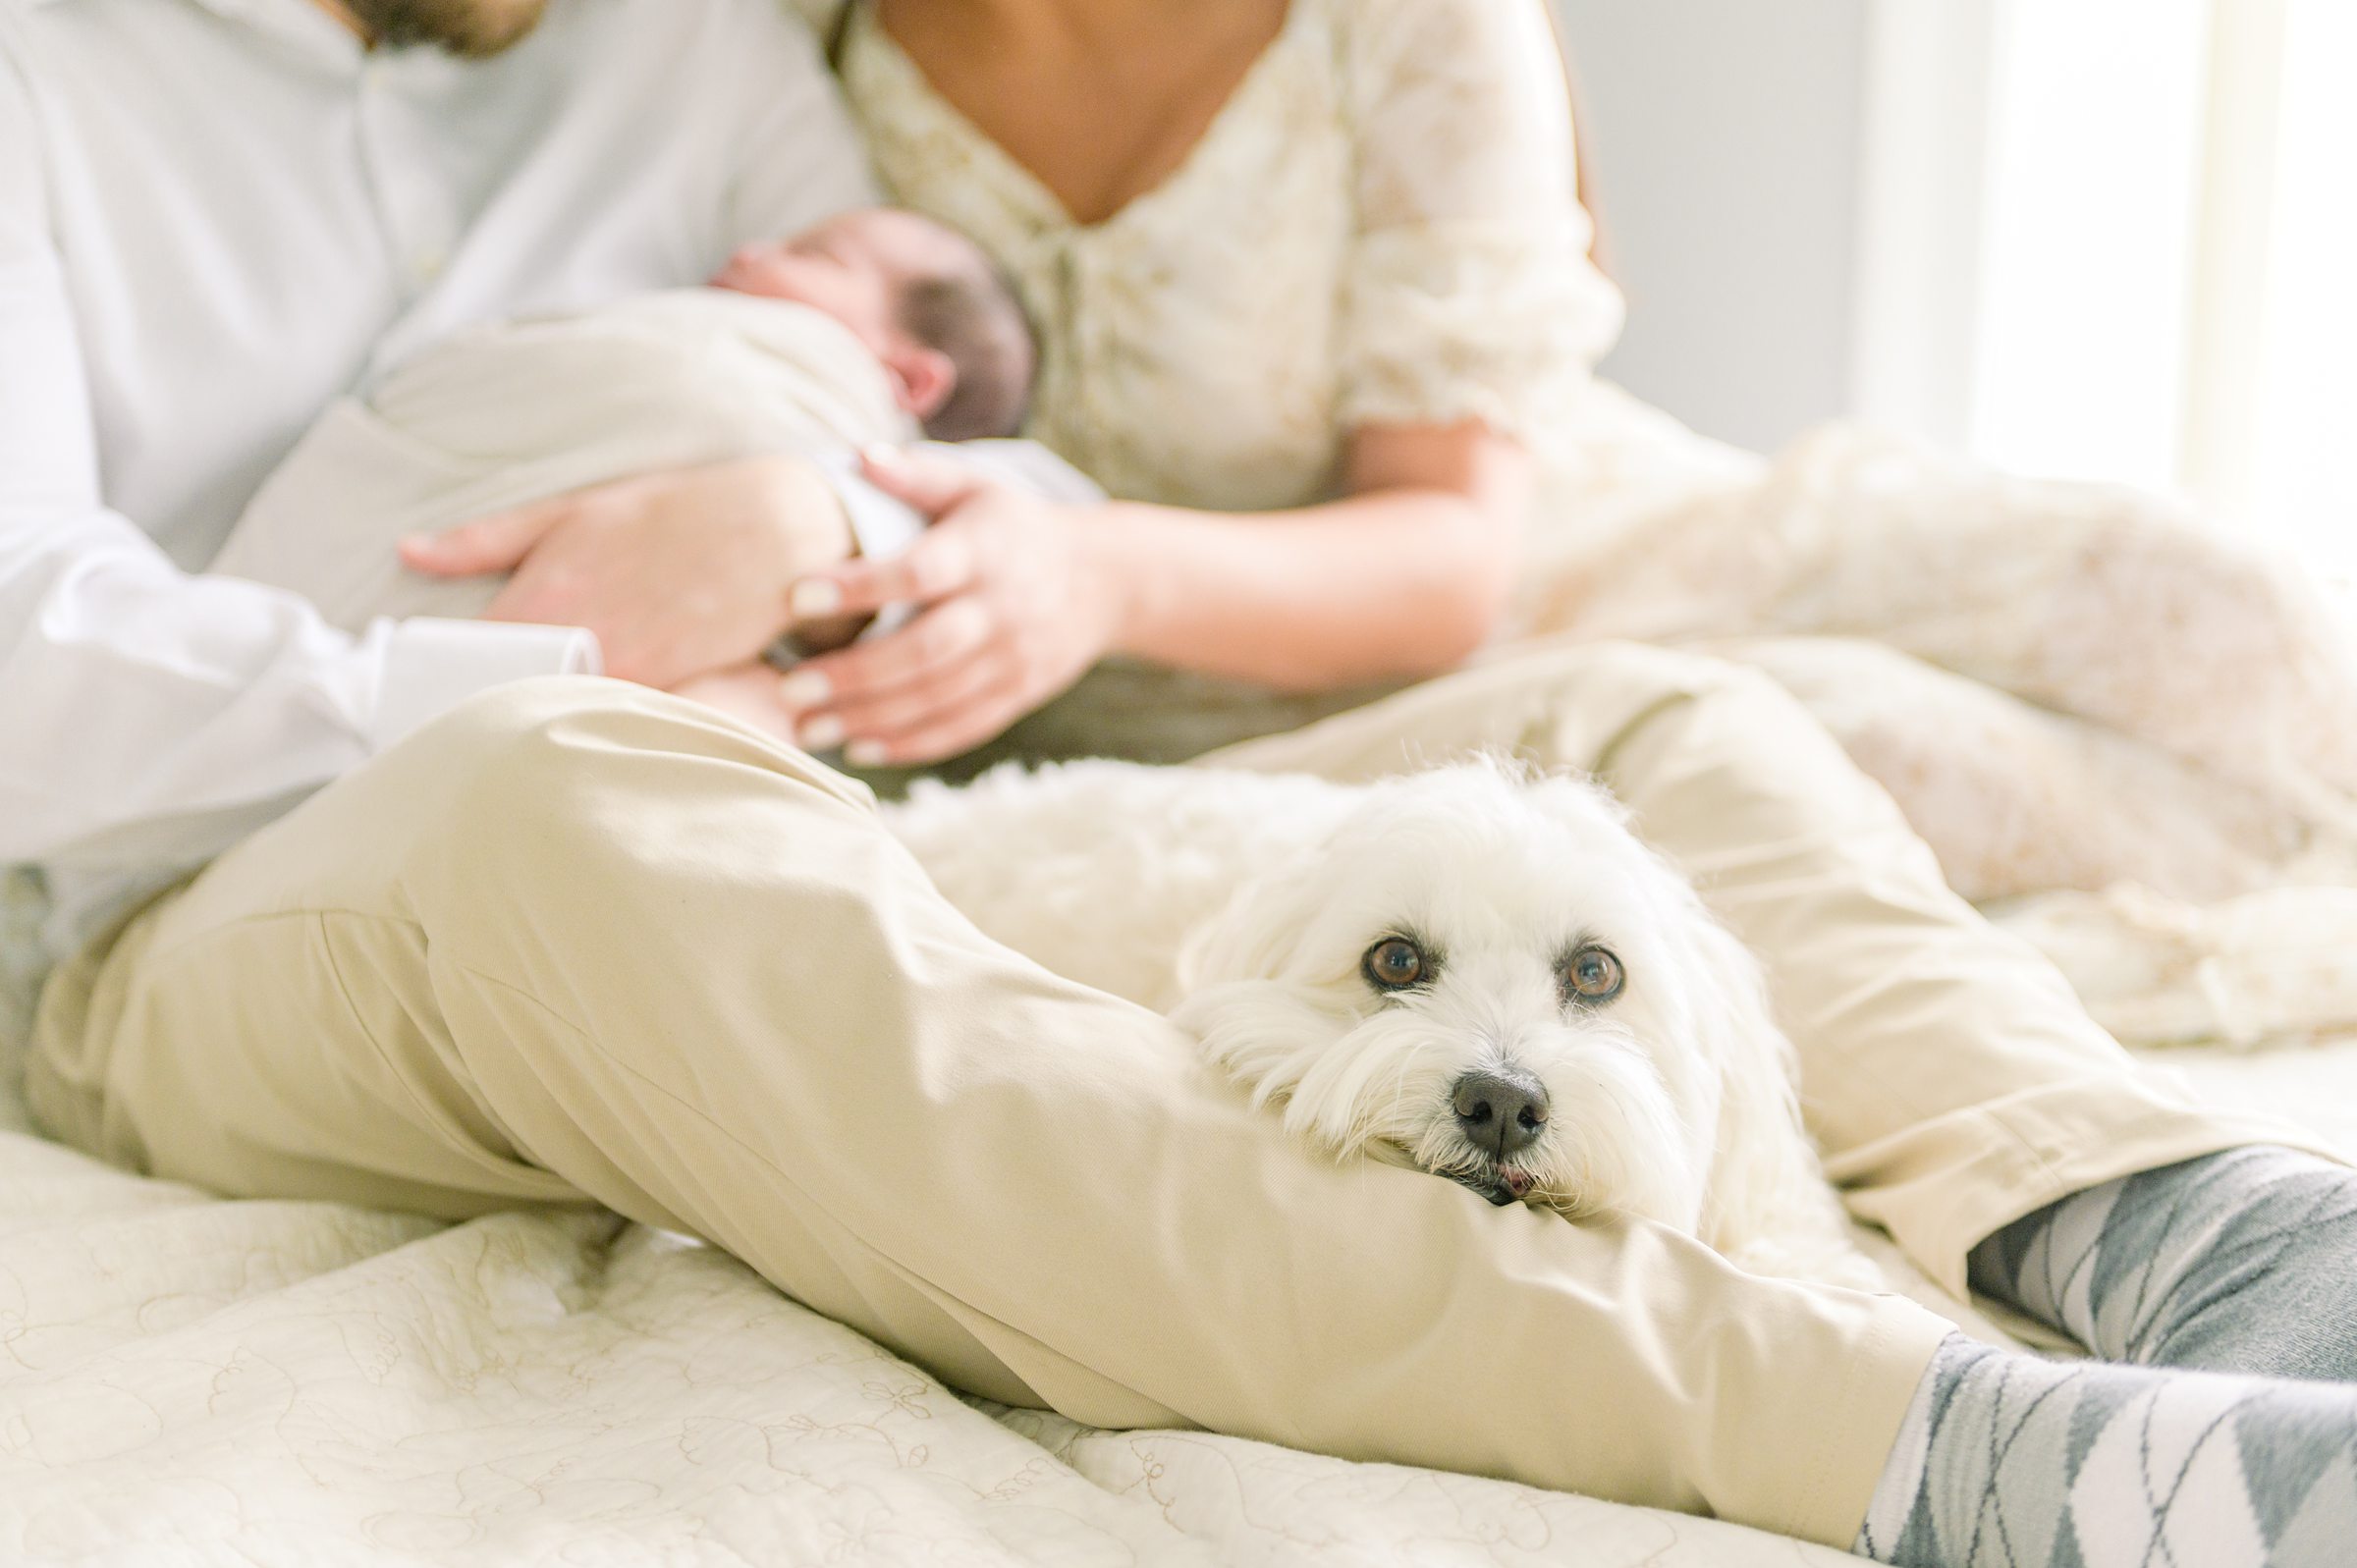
(1770, 1209)
(1241, 996)
(1764, 1170)
(1257, 934)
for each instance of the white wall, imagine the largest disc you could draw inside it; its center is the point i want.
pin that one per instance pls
(1725, 142)
(2092, 239)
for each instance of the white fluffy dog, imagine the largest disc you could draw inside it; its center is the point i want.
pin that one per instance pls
(1479, 970)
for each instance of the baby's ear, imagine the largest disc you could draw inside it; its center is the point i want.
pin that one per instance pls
(922, 378)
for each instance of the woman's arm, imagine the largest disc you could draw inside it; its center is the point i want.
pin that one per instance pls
(1402, 577)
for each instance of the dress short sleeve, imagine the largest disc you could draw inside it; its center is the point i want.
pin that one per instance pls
(1467, 293)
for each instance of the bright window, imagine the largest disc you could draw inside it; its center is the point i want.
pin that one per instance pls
(2094, 155)
(2142, 264)
(2299, 449)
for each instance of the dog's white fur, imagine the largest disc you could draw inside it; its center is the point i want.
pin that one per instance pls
(1244, 905)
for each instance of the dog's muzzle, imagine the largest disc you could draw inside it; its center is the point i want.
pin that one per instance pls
(1501, 1111)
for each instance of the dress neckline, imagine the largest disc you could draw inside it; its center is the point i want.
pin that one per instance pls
(1048, 207)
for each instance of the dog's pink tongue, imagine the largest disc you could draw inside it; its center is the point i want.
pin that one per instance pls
(1516, 1182)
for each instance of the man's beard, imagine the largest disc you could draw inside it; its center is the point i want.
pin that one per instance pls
(473, 29)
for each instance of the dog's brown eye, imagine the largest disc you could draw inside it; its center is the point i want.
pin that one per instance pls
(1594, 974)
(1394, 964)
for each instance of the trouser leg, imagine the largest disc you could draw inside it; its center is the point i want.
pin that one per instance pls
(580, 943)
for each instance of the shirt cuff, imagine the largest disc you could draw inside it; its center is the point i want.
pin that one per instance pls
(432, 666)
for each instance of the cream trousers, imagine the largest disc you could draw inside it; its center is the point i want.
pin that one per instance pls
(581, 944)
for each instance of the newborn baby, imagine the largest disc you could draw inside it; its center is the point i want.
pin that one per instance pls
(922, 298)
(871, 327)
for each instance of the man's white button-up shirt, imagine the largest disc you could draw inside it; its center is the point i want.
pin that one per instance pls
(217, 215)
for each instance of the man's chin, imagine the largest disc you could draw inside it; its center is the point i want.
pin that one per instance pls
(474, 30)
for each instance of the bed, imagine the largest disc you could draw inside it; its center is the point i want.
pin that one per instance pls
(190, 1380)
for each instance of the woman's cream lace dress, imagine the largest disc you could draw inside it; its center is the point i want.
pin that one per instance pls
(2124, 736)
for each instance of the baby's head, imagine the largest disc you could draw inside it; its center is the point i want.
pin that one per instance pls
(924, 299)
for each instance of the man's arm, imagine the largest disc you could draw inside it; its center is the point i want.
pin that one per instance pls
(145, 715)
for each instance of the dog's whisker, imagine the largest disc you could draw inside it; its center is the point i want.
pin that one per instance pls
(1398, 1088)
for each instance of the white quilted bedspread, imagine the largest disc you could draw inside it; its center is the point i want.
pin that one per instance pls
(187, 1380)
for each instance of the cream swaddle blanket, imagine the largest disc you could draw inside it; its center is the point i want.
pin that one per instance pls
(515, 411)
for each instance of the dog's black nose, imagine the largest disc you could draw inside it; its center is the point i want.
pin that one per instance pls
(1501, 1111)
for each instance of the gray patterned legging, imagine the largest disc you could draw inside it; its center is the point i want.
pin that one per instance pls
(2242, 1264)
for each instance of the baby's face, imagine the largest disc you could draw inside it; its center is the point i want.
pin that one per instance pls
(853, 267)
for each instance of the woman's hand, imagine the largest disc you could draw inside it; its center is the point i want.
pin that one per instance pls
(1017, 598)
(677, 573)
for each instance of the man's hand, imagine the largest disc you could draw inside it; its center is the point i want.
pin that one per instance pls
(1018, 597)
(677, 573)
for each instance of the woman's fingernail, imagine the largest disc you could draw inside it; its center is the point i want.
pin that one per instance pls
(814, 597)
(802, 688)
(865, 754)
(877, 455)
(822, 734)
